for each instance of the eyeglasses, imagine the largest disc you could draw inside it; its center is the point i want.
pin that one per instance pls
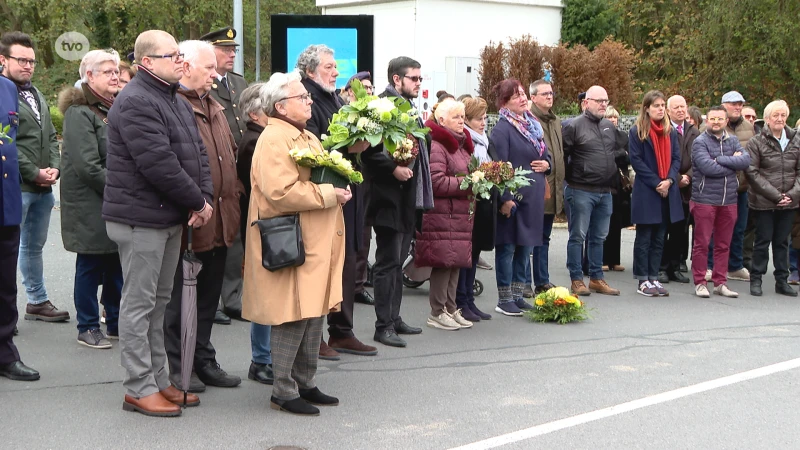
(547, 94)
(111, 72)
(601, 101)
(749, 117)
(414, 79)
(229, 50)
(303, 97)
(175, 57)
(23, 61)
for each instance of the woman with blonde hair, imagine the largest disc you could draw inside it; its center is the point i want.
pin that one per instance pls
(656, 200)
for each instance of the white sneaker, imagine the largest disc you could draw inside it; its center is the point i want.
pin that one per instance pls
(709, 275)
(443, 322)
(742, 275)
(702, 291)
(460, 320)
(725, 292)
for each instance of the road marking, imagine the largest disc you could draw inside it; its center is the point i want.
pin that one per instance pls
(663, 397)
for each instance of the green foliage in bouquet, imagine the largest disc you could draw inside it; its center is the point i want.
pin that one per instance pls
(332, 159)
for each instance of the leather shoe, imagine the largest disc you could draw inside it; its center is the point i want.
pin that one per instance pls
(327, 353)
(405, 328)
(785, 289)
(154, 405)
(679, 277)
(46, 312)
(755, 288)
(220, 318)
(211, 373)
(663, 277)
(315, 397)
(195, 385)
(173, 395)
(294, 406)
(390, 338)
(261, 373)
(352, 346)
(365, 298)
(18, 371)
(235, 314)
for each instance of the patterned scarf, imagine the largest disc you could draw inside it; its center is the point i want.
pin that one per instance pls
(528, 125)
(27, 93)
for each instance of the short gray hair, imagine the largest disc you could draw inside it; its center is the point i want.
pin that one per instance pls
(94, 59)
(274, 91)
(534, 88)
(444, 108)
(192, 49)
(309, 60)
(250, 100)
(775, 106)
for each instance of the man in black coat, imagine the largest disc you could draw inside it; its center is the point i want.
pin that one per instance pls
(157, 177)
(397, 194)
(318, 69)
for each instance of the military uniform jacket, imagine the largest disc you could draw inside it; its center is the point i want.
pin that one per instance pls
(230, 101)
(10, 178)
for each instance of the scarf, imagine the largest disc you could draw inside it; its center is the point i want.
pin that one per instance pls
(528, 125)
(27, 93)
(662, 147)
(424, 185)
(107, 102)
(481, 142)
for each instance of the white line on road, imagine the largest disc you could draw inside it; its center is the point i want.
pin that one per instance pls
(663, 397)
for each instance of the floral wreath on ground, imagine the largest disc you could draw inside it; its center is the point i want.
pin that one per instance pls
(557, 305)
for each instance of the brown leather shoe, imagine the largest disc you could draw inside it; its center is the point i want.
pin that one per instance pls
(578, 288)
(45, 312)
(327, 353)
(352, 345)
(154, 405)
(601, 287)
(174, 395)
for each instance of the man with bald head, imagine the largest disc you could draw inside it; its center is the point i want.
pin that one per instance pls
(157, 177)
(589, 155)
(676, 243)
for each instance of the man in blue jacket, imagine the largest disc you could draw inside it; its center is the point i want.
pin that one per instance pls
(716, 156)
(10, 219)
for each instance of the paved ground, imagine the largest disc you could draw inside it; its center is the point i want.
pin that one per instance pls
(450, 389)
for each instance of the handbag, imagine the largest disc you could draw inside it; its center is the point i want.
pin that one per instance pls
(281, 242)
(624, 181)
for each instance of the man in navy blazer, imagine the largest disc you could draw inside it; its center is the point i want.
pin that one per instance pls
(10, 218)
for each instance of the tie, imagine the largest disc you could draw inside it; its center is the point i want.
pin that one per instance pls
(225, 83)
(680, 129)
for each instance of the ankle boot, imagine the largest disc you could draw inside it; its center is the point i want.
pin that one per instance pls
(755, 287)
(478, 312)
(783, 288)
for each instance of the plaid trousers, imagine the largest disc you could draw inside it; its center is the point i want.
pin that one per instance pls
(295, 352)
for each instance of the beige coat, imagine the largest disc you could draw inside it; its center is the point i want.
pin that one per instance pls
(281, 187)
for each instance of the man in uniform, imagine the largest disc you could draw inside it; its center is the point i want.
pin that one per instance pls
(226, 90)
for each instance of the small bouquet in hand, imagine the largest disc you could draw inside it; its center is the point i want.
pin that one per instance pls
(483, 177)
(327, 167)
(557, 305)
(406, 151)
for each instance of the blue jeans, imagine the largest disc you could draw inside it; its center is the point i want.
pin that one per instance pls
(541, 254)
(36, 210)
(92, 271)
(259, 343)
(511, 264)
(792, 257)
(736, 256)
(590, 213)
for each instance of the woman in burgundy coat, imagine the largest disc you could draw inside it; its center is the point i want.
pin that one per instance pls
(445, 243)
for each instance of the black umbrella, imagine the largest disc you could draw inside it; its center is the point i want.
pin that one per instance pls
(191, 267)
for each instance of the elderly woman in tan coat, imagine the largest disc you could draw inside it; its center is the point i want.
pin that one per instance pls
(293, 300)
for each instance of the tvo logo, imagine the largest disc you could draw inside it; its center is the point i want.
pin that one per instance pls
(72, 46)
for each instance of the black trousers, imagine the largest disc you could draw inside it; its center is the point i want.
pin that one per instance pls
(362, 261)
(773, 226)
(390, 252)
(209, 287)
(340, 324)
(9, 251)
(612, 244)
(676, 243)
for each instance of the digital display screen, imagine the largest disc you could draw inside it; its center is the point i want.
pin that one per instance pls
(343, 42)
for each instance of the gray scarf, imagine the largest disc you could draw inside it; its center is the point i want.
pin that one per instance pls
(481, 142)
(424, 184)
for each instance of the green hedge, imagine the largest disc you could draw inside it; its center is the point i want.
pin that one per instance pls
(58, 119)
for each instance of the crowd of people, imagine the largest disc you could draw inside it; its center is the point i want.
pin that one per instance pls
(171, 149)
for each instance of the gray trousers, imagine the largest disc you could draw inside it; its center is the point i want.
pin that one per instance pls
(231, 296)
(149, 258)
(295, 352)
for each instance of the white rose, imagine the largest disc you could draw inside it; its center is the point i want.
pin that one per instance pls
(362, 123)
(381, 105)
(477, 176)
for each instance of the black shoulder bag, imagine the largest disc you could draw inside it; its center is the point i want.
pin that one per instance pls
(281, 242)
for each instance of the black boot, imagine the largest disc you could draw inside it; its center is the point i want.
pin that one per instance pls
(295, 406)
(755, 287)
(315, 397)
(783, 288)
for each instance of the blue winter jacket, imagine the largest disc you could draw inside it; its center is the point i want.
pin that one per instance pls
(714, 168)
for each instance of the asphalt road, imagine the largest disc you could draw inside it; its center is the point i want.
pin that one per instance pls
(451, 389)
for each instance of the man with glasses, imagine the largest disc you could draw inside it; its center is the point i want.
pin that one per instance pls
(226, 89)
(542, 96)
(589, 152)
(39, 160)
(397, 196)
(317, 68)
(157, 177)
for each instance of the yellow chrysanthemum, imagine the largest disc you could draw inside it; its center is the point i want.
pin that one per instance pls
(539, 302)
(570, 299)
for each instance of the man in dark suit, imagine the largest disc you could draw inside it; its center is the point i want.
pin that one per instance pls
(226, 90)
(10, 219)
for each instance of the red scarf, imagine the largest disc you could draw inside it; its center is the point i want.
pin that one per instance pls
(662, 147)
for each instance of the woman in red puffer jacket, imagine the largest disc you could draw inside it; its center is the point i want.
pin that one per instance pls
(445, 243)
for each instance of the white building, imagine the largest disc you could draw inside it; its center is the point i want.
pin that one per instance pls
(446, 36)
